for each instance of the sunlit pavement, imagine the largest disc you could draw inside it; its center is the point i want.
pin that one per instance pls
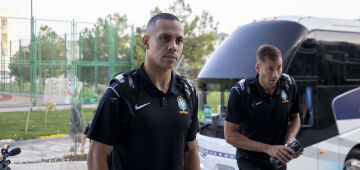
(35, 150)
(81, 165)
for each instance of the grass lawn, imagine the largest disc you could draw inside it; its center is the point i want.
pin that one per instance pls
(12, 124)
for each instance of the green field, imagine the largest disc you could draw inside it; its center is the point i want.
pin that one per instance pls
(214, 99)
(12, 124)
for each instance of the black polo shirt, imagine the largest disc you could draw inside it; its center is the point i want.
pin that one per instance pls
(87, 128)
(158, 133)
(262, 117)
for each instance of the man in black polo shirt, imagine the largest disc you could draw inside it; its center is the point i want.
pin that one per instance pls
(259, 110)
(162, 129)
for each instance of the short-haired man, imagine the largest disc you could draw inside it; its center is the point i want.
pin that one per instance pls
(259, 110)
(162, 130)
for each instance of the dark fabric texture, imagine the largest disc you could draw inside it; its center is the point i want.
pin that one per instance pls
(262, 117)
(158, 130)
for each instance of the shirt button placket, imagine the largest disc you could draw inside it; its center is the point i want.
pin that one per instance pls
(163, 102)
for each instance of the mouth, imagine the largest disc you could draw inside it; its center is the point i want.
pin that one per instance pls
(171, 57)
(273, 81)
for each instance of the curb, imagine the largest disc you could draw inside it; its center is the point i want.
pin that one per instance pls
(32, 138)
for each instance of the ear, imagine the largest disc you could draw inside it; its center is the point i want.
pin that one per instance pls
(257, 67)
(145, 41)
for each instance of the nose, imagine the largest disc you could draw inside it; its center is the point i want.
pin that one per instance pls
(172, 46)
(277, 73)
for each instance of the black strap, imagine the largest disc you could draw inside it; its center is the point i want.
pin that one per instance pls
(189, 91)
(127, 97)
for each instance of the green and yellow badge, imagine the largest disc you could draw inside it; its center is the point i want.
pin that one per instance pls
(284, 97)
(182, 105)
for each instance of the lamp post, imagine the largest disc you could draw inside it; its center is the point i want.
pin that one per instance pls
(32, 61)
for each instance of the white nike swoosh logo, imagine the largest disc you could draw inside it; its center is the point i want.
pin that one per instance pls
(258, 103)
(141, 106)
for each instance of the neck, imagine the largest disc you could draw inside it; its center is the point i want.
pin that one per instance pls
(269, 91)
(161, 78)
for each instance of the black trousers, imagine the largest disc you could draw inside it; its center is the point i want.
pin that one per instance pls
(252, 165)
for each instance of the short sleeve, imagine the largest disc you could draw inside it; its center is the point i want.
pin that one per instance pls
(235, 110)
(105, 126)
(194, 126)
(295, 106)
(86, 129)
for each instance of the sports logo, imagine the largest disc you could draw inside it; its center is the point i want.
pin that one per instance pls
(182, 105)
(284, 97)
(141, 106)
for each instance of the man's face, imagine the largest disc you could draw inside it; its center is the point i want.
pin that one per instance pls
(164, 43)
(269, 72)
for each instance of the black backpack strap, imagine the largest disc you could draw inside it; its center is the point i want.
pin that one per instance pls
(246, 88)
(190, 96)
(126, 95)
(189, 90)
(288, 83)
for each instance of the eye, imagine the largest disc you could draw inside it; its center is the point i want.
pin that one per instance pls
(165, 38)
(179, 40)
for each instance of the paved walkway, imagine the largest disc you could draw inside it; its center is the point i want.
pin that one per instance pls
(41, 108)
(37, 149)
(51, 166)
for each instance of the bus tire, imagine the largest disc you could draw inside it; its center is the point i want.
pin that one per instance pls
(352, 161)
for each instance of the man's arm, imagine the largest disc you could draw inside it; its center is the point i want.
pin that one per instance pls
(83, 140)
(191, 157)
(294, 127)
(97, 156)
(233, 137)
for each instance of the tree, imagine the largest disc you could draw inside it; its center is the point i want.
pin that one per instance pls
(112, 39)
(139, 56)
(48, 46)
(200, 37)
(77, 121)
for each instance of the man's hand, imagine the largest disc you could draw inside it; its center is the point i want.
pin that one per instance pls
(283, 153)
(292, 140)
(82, 149)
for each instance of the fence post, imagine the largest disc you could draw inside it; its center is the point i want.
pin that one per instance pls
(132, 47)
(10, 73)
(65, 50)
(2, 70)
(96, 59)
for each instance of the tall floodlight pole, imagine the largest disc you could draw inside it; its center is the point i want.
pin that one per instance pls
(32, 61)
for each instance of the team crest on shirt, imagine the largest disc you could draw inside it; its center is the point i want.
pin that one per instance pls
(284, 97)
(182, 105)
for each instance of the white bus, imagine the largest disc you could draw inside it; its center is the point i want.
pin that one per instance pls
(323, 55)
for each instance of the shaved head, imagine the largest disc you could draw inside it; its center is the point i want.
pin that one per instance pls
(152, 22)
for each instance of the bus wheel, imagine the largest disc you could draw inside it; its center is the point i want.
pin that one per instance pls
(353, 160)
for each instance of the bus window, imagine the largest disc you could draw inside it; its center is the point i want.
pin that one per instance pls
(340, 53)
(304, 63)
(304, 68)
(213, 100)
(353, 65)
